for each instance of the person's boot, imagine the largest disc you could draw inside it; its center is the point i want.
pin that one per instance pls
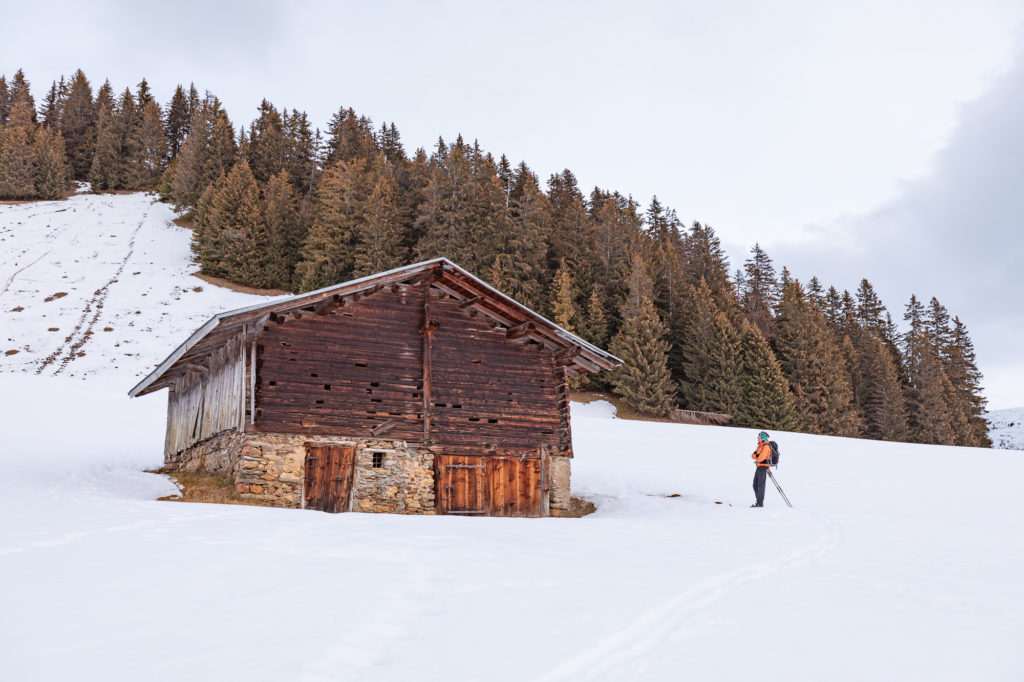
(756, 505)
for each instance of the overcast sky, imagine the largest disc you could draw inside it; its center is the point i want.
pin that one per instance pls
(869, 139)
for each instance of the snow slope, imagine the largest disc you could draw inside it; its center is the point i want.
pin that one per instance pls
(1006, 428)
(899, 562)
(98, 285)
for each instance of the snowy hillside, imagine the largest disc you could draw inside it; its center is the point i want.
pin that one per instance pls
(1007, 428)
(98, 285)
(899, 562)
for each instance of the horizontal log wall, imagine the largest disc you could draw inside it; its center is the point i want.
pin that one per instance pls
(360, 367)
(345, 372)
(207, 400)
(490, 394)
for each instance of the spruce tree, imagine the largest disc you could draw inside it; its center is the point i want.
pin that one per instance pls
(327, 253)
(17, 156)
(78, 126)
(709, 351)
(563, 299)
(643, 380)
(877, 387)
(522, 250)
(766, 402)
(177, 121)
(595, 322)
(962, 371)
(132, 174)
(5, 101)
(152, 152)
(229, 228)
(759, 290)
(266, 153)
(813, 364)
(52, 173)
(106, 171)
(376, 230)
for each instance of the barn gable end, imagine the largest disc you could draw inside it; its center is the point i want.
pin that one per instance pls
(438, 393)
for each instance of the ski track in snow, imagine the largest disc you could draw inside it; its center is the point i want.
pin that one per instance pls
(659, 624)
(94, 305)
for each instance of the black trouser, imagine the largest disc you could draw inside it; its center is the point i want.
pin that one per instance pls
(760, 476)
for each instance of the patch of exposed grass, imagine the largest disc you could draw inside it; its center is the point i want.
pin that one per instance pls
(196, 486)
(622, 408)
(578, 507)
(228, 284)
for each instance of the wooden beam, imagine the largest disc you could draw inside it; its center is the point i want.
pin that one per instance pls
(522, 330)
(383, 427)
(429, 327)
(470, 301)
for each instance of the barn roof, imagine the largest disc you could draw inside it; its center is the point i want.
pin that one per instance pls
(520, 322)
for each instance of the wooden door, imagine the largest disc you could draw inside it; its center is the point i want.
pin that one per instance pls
(488, 486)
(329, 470)
(462, 485)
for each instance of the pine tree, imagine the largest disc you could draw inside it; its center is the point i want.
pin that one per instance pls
(282, 235)
(5, 101)
(522, 250)
(962, 371)
(706, 260)
(266, 153)
(595, 323)
(563, 303)
(52, 173)
(152, 153)
(877, 387)
(226, 231)
(17, 157)
(128, 131)
(107, 166)
(376, 230)
(643, 380)
(766, 402)
(327, 253)
(78, 126)
(814, 366)
(300, 151)
(710, 363)
(53, 104)
(177, 121)
(759, 290)
(350, 138)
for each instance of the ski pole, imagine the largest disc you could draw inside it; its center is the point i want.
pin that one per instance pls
(779, 488)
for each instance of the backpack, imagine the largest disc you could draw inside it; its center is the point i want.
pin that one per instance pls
(775, 453)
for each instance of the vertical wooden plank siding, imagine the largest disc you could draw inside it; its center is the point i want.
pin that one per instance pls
(206, 401)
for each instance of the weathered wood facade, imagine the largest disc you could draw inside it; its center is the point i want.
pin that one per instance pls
(458, 393)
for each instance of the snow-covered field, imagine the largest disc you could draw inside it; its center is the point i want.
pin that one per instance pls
(899, 562)
(1007, 428)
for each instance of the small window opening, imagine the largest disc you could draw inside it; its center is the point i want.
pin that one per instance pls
(474, 419)
(492, 421)
(360, 364)
(375, 400)
(313, 374)
(378, 460)
(476, 362)
(327, 387)
(457, 407)
(273, 383)
(319, 402)
(375, 384)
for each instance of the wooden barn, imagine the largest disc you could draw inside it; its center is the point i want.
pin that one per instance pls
(420, 390)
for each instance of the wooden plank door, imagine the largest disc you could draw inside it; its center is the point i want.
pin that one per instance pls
(514, 486)
(461, 485)
(488, 486)
(329, 470)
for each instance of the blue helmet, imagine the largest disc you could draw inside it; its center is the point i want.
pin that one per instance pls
(762, 436)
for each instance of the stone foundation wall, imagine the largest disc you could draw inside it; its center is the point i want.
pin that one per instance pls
(269, 468)
(216, 455)
(558, 485)
(403, 484)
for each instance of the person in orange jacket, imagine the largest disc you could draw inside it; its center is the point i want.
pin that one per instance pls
(762, 459)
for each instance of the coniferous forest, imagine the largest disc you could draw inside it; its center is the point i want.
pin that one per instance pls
(280, 204)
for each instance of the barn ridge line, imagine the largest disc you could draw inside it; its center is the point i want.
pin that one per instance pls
(225, 319)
